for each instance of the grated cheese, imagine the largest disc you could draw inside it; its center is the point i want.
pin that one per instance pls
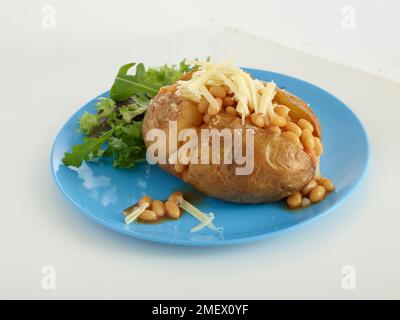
(250, 94)
(135, 213)
(205, 219)
(267, 94)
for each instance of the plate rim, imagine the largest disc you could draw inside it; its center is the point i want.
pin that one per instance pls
(222, 242)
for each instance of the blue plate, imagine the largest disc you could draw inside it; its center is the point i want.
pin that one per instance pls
(101, 192)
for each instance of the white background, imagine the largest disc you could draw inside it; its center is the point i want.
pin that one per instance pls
(45, 75)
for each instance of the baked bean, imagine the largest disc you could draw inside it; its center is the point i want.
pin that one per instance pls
(257, 119)
(148, 215)
(230, 110)
(146, 200)
(207, 118)
(228, 101)
(267, 122)
(311, 185)
(217, 91)
(158, 207)
(282, 110)
(275, 129)
(211, 111)
(277, 120)
(175, 197)
(294, 200)
(291, 126)
(202, 106)
(327, 184)
(179, 167)
(172, 209)
(304, 124)
(291, 136)
(308, 139)
(227, 89)
(319, 148)
(317, 194)
(186, 104)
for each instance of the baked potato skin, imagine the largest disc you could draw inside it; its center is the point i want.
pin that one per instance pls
(279, 172)
(165, 107)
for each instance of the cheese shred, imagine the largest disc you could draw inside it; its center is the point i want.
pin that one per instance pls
(135, 213)
(251, 94)
(204, 218)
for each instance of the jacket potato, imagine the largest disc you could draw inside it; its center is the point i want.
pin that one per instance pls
(282, 166)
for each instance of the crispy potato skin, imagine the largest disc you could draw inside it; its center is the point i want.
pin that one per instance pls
(280, 167)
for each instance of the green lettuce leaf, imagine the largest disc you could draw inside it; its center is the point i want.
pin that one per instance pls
(90, 149)
(144, 82)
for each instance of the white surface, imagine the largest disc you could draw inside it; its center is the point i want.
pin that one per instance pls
(355, 33)
(46, 75)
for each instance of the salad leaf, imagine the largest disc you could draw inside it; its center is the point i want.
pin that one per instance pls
(144, 82)
(132, 110)
(126, 156)
(90, 148)
(89, 122)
